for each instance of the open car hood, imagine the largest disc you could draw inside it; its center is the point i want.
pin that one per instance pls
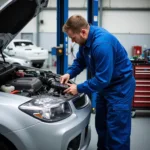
(14, 15)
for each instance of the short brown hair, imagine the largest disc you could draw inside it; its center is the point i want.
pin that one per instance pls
(75, 23)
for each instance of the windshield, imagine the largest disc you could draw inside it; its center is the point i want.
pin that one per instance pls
(22, 43)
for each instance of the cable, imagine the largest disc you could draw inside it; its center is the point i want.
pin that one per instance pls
(72, 50)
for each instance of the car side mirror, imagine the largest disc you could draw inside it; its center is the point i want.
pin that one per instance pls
(9, 48)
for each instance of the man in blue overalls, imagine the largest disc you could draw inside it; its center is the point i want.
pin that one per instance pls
(112, 79)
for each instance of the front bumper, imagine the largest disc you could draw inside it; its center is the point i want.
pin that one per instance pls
(27, 64)
(72, 133)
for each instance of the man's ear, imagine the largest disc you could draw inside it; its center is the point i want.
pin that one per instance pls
(83, 32)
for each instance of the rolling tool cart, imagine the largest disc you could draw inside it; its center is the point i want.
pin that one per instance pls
(141, 98)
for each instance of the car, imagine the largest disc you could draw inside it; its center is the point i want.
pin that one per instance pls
(35, 113)
(27, 50)
(15, 60)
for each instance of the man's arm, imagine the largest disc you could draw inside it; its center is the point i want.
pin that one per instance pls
(104, 62)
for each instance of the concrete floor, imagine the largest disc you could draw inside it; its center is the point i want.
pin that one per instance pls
(140, 134)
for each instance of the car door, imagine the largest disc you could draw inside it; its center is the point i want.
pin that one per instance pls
(19, 51)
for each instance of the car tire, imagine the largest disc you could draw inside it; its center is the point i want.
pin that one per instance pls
(6, 145)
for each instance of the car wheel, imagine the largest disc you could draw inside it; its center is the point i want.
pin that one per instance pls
(6, 145)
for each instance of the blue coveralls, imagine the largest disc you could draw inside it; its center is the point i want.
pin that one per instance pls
(114, 83)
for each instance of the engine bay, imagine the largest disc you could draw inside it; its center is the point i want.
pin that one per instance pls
(30, 82)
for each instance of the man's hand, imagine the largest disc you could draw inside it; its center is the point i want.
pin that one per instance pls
(65, 78)
(72, 89)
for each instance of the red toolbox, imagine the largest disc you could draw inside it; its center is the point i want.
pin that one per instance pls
(141, 98)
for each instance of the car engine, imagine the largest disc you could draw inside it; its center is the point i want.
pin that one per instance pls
(30, 82)
(48, 101)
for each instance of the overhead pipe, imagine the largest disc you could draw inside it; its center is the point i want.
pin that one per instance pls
(105, 8)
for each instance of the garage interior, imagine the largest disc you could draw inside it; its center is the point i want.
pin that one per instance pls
(128, 20)
(140, 132)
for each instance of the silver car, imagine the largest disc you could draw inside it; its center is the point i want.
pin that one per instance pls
(35, 114)
(15, 60)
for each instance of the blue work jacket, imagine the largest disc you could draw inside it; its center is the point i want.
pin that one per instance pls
(108, 62)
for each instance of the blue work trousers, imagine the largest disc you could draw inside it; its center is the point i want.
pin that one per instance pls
(113, 120)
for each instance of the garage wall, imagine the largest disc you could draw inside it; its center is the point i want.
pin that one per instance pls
(106, 3)
(131, 27)
(126, 3)
(114, 21)
(50, 21)
(127, 21)
(128, 40)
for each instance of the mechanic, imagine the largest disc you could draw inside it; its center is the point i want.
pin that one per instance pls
(112, 80)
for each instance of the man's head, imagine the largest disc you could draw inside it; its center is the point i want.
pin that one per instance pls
(77, 29)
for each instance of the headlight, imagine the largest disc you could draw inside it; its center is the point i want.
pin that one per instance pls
(27, 61)
(47, 109)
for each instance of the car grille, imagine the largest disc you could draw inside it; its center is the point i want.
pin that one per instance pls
(80, 102)
(76, 142)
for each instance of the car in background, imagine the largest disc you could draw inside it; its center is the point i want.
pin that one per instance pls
(27, 50)
(35, 113)
(16, 61)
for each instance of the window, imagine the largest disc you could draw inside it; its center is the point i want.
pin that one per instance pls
(22, 43)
